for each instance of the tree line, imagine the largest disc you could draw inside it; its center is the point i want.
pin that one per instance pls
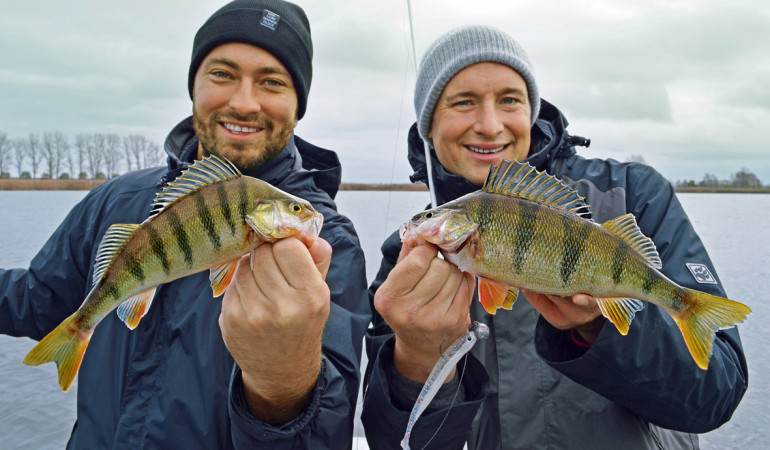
(742, 179)
(53, 155)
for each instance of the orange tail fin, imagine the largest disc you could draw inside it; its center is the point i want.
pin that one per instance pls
(707, 314)
(66, 346)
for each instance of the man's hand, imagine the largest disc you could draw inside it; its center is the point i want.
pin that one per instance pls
(579, 312)
(426, 302)
(272, 321)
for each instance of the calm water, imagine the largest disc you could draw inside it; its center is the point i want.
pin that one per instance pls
(35, 414)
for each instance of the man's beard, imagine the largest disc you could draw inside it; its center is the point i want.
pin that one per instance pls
(245, 155)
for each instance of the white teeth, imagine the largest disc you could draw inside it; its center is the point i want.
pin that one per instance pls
(482, 150)
(239, 129)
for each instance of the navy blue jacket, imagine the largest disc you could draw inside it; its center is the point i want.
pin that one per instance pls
(171, 382)
(529, 385)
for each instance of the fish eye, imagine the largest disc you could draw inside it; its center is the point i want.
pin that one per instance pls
(296, 207)
(429, 214)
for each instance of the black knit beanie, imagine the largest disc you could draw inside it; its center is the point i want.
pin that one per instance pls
(281, 28)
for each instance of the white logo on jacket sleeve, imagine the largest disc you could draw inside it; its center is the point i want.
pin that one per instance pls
(701, 273)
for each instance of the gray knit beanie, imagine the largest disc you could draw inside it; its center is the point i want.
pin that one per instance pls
(281, 28)
(459, 49)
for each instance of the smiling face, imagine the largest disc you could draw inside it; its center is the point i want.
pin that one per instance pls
(244, 105)
(482, 117)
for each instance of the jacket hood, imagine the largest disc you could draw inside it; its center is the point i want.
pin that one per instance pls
(549, 141)
(298, 157)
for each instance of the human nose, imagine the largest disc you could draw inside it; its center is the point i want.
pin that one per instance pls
(488, 120)
(245, 99)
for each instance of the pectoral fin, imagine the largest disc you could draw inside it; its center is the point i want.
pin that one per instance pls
(132, 310)
(494, 295)
(221, 276)
(620, 311)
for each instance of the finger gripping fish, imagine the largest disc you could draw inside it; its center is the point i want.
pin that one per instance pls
(207, 218)
(527, 229)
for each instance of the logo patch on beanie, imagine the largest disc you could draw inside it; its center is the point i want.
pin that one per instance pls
(269, 19)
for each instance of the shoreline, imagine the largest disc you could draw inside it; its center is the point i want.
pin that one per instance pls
(16, 184)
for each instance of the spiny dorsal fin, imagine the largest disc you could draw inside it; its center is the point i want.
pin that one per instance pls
(517, 179)
(625, 227)
(204, 172)
(114, 240)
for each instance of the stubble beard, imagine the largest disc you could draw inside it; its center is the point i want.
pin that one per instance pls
(245, 155)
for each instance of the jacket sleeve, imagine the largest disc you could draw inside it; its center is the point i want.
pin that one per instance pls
(327, 422)
(650, 371)
(35, 300)
(386, 411)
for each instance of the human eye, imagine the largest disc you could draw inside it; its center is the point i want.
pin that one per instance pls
(221, 74)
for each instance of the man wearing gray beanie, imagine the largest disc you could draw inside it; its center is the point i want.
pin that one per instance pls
(254, 368)
(553, 373)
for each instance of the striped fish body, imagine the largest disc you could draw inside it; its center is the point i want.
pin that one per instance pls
(551, 251)
(526, 229)
(206, 219)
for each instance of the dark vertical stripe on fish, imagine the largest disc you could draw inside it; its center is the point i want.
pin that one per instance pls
(575, 234)
(158, 249)
(112, 290)
(525, 230)
(649, 280)
(134, 267)
(618, 262)
(182, 240)
(204, 215)
(243, 199)
(225, 205)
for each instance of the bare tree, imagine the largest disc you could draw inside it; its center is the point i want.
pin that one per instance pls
(5, 153)
(95, 154)
(154, 155)
(82, 142)
(141, 153)
(745, 179)
(19, 155)
(34, 152)
(111, 152)
(62, 146)
(709, 181)
(131, 145)
(52, 152)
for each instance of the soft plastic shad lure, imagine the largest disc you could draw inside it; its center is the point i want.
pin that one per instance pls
(440, 371)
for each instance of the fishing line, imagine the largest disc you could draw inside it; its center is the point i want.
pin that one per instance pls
(454, 399)
(386, 230)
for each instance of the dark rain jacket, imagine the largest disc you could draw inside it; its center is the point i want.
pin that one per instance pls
(529, 386)
(171, 383)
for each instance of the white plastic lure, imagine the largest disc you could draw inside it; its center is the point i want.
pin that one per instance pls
(440, 372)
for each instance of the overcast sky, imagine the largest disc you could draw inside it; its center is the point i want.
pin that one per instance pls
(683, 83)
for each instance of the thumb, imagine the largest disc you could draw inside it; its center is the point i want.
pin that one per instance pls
(321, 253)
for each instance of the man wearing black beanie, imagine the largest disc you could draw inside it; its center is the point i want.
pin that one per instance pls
(275, 361)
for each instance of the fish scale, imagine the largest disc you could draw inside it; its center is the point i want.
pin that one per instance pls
(527, 229)
(207, 218)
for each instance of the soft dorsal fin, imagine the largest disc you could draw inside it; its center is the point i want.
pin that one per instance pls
(520, 179)
(114, 240)
(204, 172)
(626, 228)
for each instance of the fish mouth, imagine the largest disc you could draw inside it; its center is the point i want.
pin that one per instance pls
(311, 229)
